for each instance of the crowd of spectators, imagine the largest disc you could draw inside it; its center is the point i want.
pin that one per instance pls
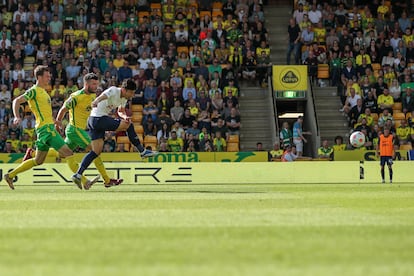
(187, 58)
(369, 48)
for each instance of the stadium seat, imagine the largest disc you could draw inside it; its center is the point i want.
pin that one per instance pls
(191, 49)
(323, 71)
(216, 13)
(376, 67)
(29, 63)
(149, 139)
(69, 32)
(408, 115)
(141, 15)
(397, 107)
(137, 113)
(137, 108)
(217, 6)
(204, 13)
(140, 137)
(374, 116)
(153, 146)
(136, 117)
(232, 147)
(406, 147)
(234, 139)
(155, 6)
(193, 3)
(127, 147)
(398, 116)
(397, 123)
(139, 129)
(123, 140)
(156, 9)
(304, 48)
(182, 49)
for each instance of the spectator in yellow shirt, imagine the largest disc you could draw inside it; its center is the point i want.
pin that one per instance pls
(320, 33)
(385, 101)
(355, 85)
(403, 133)
(339, 144)
(367, 116)
(325, 151)
(362, 55)
(407, 36)
(382, 9)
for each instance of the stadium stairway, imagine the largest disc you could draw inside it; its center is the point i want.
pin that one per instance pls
(331, 122)
(256, 105)
(277, 14)
(257, 121)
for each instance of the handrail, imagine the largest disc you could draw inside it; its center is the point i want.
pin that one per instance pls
(275, 121)
(314, 109)
(313, 124)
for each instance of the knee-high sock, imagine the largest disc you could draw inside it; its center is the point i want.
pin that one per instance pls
(133, 137)
(73, 165)
(390, 170)
(382, 173)
(101, 168)
(86, 161)
(25, 166)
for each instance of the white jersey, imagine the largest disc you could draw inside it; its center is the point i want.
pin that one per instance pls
(113, 101)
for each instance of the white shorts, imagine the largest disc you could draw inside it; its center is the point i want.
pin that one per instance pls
(299, 144)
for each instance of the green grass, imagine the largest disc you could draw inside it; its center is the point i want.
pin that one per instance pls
(273, 229)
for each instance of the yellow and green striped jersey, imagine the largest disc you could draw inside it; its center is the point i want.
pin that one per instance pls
(15, 143)
(39, 103)
(79, 106)
(403, 133)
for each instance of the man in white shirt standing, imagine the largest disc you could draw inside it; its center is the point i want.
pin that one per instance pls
(315, 15)
(100, 121)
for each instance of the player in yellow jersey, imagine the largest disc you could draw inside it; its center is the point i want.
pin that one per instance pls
(47, 136)
(79, 106)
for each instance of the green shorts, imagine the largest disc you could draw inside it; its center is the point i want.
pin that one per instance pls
(77, 137)
(48, 137)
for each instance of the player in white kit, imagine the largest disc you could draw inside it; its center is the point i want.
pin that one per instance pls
(101, 121)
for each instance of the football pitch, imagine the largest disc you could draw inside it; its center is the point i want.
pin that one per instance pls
(274, 229)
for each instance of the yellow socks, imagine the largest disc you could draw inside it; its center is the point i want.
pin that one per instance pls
(101, 169)
(73, 165)
(25, 166)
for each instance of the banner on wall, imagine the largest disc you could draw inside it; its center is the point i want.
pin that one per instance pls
(250, 173)
(365, 155)
(163, 157)
(290, 81)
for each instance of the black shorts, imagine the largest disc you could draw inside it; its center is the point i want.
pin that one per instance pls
(98, 125)
(385, 160)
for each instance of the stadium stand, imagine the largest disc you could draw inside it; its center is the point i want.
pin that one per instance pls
(94, 36)
(366, 37)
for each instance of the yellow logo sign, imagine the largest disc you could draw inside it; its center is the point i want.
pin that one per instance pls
(290, 77)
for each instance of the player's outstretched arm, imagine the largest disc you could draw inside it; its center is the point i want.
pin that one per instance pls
(16, 106)
(101, 97)
(61, 114)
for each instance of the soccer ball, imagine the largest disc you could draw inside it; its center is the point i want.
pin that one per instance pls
(357, 139)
